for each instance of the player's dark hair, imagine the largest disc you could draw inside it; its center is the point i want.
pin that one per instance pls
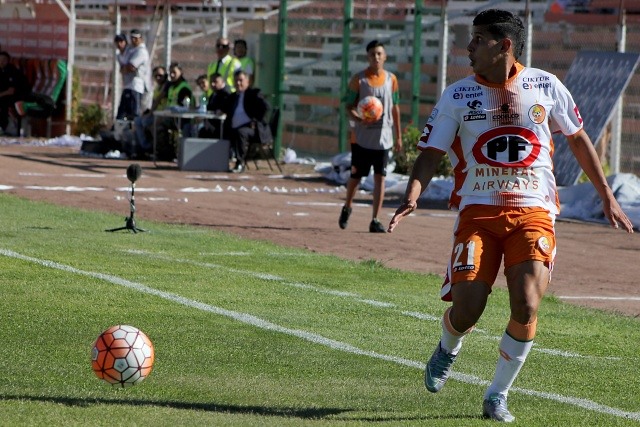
(240, 41)
(503, 24)
(374, 44)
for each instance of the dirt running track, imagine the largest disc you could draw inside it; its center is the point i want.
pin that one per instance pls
(596, 265)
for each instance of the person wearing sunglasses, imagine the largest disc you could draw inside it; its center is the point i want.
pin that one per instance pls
(226, 65)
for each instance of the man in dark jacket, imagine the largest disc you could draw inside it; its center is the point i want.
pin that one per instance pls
(13, 87)
(216, 102)
(246, 110)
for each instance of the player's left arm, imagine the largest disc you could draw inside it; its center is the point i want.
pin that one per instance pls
(352, 98)
(583, 150)
(395, 114)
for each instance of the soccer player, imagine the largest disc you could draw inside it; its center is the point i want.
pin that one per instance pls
(372, 140)
(496, 126)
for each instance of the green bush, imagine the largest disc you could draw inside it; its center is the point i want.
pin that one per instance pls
(406, 159)
(90, 119)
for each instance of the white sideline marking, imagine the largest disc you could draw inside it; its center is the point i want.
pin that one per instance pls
(602, 298)
(140, 189)
(332, 204)
(216, 189)
(68, 175)
(356, 297)
(311, 337)
(226, 253)
(421, 316)
(273, 255)
(60, 188)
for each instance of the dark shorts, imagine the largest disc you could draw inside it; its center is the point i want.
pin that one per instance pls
(363, 158)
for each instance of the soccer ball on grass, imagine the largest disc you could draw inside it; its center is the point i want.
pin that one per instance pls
(122, 356)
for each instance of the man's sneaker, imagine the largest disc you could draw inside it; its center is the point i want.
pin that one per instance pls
(495, 408)
(376, 227)
(438, 368)
(344, 217)
(239, 168)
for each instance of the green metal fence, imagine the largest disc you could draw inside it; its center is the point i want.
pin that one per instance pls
(325, 44)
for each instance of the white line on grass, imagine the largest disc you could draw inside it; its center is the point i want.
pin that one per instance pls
(602, 298)
(311, 337)
(273, 254)
(356, 297)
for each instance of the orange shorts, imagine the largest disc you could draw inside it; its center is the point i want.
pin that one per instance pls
(484, 234)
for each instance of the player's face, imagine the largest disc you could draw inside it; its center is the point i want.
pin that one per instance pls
(376, 56)
(484, 51)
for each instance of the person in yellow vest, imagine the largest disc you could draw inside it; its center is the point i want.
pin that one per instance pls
(179, 92)
(247, 62)
(225, 64)
(179, 95)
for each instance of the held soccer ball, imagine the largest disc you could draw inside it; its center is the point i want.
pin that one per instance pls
(370, 109)
(122, 356)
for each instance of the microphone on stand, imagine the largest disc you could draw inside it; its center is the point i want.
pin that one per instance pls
(134, 171)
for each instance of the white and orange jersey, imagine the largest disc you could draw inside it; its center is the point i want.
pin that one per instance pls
(498, 138)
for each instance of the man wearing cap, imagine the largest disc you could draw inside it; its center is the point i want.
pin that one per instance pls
(226, 65)
(135, 78)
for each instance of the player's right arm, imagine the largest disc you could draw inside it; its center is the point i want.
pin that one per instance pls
(423, 171)
(436, 139)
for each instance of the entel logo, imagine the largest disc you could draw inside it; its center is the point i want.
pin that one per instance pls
(507, 146)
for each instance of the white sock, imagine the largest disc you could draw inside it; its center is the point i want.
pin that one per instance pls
(451, 340)
(512, 356)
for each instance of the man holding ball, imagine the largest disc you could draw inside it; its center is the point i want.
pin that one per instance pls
(373, 140)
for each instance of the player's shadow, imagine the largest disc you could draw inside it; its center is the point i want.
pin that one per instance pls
(335, 414)
(305, 413)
